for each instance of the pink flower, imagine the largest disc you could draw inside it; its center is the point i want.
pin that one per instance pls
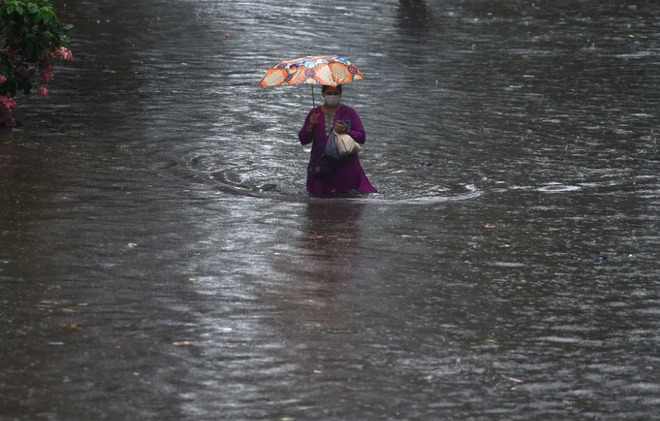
(43, 91)
(8, 102)
(46, 71)
(62, 53)
(3, 79)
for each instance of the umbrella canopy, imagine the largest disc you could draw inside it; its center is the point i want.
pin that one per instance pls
(313, 70)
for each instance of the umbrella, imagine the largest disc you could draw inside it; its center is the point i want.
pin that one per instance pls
(313, 70)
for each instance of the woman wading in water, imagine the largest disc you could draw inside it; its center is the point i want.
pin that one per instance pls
(327, 177)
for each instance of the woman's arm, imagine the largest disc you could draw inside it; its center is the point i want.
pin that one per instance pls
(306, 134)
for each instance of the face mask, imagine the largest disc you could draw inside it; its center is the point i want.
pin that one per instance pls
(332, 100)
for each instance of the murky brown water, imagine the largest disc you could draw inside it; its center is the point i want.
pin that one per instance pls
(159, 257)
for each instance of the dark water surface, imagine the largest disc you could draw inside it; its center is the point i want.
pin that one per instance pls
(159, 258)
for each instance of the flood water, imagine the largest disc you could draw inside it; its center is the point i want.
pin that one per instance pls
(160, 258)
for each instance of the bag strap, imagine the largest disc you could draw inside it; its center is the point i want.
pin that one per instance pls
(343, 112)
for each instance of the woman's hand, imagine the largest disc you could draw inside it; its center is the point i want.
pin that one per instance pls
(313, 121)
(340, 127)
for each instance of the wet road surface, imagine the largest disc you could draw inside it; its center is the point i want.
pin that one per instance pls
(159, 258)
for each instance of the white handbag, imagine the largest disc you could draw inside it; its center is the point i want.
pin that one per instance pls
(346, 145)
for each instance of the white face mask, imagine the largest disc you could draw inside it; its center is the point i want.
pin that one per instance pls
(332, 100)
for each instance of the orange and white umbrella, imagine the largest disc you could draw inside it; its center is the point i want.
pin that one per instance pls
(323, 70)
(312, 70)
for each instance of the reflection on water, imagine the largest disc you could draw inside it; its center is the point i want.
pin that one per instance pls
(332, 247)
(159, 256)
(333, 225)
(326, 255)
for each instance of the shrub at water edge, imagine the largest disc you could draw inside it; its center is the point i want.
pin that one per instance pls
(31, 38)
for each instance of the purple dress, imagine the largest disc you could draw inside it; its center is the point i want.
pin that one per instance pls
(347, 174)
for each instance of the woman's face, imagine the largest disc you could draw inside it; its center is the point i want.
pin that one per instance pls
(332, 96)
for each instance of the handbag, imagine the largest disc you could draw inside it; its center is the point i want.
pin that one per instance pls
(342, 145)
(346, 145)
(321, 165)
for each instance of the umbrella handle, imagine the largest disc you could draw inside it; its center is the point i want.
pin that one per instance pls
(313, 102)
